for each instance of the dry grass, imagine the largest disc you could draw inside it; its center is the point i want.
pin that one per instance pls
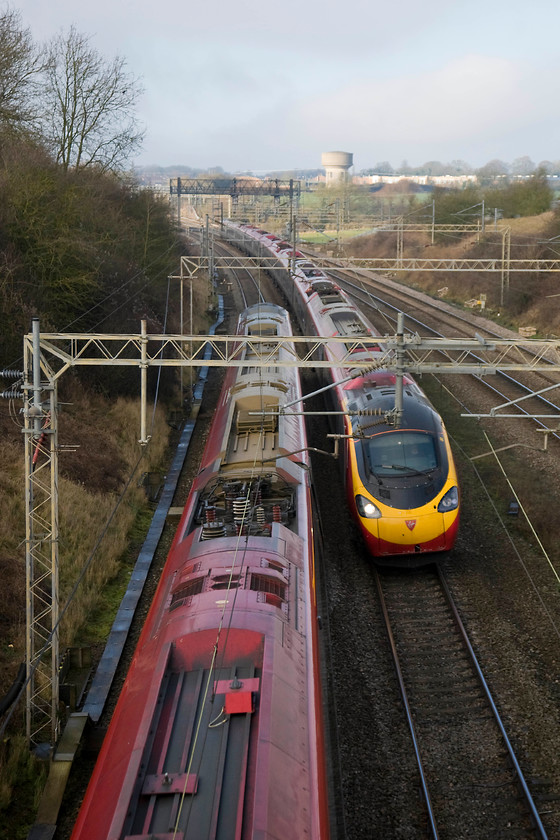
(17, 762)
(530, 225)
(83, 514)
(529, 300)
(105, 433)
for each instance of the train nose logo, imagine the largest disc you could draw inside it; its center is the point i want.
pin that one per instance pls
(410, 523)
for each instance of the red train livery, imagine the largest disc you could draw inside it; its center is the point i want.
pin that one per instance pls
(218, 732)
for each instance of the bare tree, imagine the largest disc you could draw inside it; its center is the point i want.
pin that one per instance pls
(492, 172)
(90, 105)
(459, 167)
(523, 166)
(21, 62)
(383, 168)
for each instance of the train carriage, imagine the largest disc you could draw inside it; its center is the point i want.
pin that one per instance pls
(218, 731)
(399, 472)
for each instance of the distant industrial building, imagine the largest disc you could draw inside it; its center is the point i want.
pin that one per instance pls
(337, 166)
(426, 180)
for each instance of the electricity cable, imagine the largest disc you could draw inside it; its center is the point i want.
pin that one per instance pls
(158, 380)
(501, 521)
(123, 285)
(522, 509)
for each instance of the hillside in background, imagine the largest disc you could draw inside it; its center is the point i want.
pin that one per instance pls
(531, 300)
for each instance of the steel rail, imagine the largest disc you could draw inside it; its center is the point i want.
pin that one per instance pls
(520, 777)
(408, 711)
(482, 380)
(227, 247)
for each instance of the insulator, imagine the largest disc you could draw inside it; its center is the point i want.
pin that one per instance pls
(276, 513)
(6, 373)
(211, 530)
(12, 394)
(260, 515)
(240, 529)
(210, 514)
(367, 369)
(231, 495)
(257, 496)
(370, 412)
(241, 506)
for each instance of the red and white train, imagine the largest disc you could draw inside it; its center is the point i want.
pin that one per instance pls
(400, 476)
(218, 732)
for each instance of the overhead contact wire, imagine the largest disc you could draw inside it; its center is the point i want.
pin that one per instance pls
(522, 508)
(507, 533)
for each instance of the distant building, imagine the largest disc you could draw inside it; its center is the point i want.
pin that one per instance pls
(337, 166)
(431, 180)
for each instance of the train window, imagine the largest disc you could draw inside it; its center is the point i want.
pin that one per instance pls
(266, 583)
(401, 452)
(263, 329)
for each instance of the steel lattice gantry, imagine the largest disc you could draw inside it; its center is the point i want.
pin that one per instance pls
(41, 541)
(495, 265)
(234, 187)
(418, 355)
(49, 355)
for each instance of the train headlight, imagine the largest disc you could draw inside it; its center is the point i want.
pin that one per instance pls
(450, 501)
(366, 508)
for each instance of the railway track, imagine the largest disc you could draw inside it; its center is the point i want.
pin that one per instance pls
(249, 287)
(471, 781)
(379, 776)
(361, 784)
(428, 318)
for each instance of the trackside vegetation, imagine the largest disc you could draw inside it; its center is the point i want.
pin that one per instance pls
(528, 197)
(83, 248)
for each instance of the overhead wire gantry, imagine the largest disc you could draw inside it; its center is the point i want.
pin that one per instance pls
(47, 356)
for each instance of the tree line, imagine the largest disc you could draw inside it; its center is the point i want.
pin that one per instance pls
(528, 197)
(80, 245)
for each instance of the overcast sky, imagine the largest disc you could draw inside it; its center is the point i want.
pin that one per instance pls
(256, 85)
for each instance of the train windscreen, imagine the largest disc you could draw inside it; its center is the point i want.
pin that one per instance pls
(401, 452)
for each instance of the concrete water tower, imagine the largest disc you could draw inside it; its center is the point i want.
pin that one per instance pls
(337, 165)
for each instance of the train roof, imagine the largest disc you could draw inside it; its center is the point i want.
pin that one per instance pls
(217, 732)
(377, 392)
